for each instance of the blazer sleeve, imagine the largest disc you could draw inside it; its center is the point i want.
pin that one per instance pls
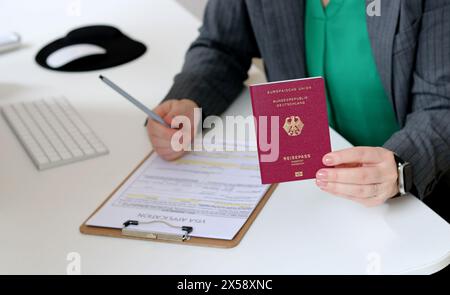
(217, 62)
(424, 141)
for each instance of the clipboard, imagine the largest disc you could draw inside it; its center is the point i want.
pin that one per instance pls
(129, 232)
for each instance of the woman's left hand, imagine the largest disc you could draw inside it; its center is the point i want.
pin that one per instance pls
(367, 175)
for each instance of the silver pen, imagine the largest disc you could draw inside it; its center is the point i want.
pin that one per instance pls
(134, 101)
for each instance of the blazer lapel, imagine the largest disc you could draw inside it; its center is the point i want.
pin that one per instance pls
(382, 32)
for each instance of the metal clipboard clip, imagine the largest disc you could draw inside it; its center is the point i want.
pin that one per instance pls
(130, 228)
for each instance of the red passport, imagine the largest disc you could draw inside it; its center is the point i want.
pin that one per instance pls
(291, 127)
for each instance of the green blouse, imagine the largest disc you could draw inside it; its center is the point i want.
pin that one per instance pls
(338, 48)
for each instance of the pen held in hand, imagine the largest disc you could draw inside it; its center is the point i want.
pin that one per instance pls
(134, 101)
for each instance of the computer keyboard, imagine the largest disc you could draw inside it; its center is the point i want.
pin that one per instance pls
(52, 132)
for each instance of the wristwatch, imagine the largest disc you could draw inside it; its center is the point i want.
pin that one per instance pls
(405, 176)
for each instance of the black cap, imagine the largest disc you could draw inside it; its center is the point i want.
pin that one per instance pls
(119, 48)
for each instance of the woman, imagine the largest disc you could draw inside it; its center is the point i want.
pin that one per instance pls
(387, 78)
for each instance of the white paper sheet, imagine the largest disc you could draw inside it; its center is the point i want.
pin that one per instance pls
(214, 192)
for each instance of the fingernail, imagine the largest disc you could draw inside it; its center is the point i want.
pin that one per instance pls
(322, 175)
(327, 160)
(321, 184)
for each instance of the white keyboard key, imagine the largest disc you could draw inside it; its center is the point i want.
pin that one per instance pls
(88, 150)
(52, 132)
(42, 160)
(54, 157)
(77, 153)
(65, 155)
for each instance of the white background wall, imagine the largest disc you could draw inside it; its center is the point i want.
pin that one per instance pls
(196, 7)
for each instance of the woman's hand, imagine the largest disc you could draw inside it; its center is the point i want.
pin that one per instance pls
(160, 136)
(367, 175)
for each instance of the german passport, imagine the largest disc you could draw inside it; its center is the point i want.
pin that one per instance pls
(291, 127)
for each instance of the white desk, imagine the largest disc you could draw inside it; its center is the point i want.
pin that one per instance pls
(300, 231)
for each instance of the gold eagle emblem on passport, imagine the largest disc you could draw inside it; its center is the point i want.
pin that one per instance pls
(293, 125)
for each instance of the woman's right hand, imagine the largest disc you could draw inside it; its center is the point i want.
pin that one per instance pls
(160, 135)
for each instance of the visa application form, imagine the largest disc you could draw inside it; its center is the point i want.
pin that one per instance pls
(214, 192)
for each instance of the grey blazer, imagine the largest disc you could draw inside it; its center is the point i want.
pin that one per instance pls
(411, 45)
